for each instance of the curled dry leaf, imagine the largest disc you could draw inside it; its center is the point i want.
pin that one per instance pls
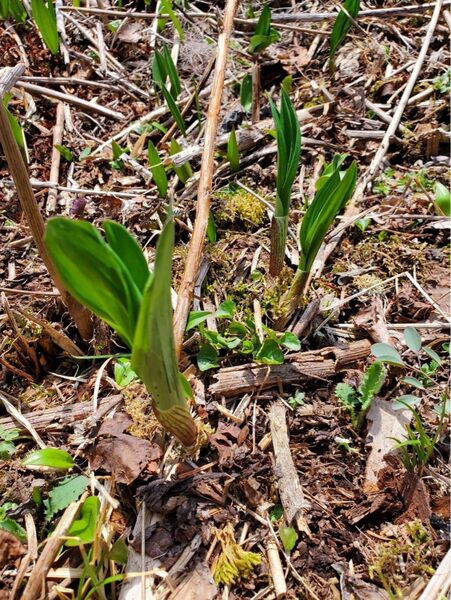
(124, 456)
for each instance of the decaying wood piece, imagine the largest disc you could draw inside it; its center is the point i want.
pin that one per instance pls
(290, 490)
(30, 205)
(56, 418)
(186, 290)
(276, 568)
(319, 364)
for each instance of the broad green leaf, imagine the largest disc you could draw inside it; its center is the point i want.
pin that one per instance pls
(7, 449)
(342, 25)
(233, 152)
(412, 339)
(442, 199)
(174, 109)
(196, 317)
(264, 34)
(226, 309)
(408, 400)
(443, 408)
(413, 381)
(207, 357)
(45, 18)
(65, 152)
(269, 353)
(291, 341)
(288, 537)
(4, 9)
(184, 172)
(123, 372)
(8, 434)
(246, 93)
(67, 491)
(94, 274)
(326, 204)
(363, 223)
(386, 353)
(159, 70)
(84, 528)
(127, 248)
(119, 552)
(158, 172)
(52, 458)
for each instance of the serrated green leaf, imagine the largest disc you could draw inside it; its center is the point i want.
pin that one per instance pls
(386, 353)
(372, 382)
(53, 458)
(346, 394)
(11, 526)
(412, 339)
(84, 528)
(288, 537)
(233, 152)
(66, 492)
(246, 93)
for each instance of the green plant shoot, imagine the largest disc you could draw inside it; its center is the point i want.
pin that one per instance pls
(112, 279)
(45, 17)
(288, 151)
(233, 152)
(442, 199)
(264, 34)
(342, 25)
(157, 169)
(332, 195)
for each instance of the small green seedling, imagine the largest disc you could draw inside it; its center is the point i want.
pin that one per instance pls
(163, 68)
(341, 26)
(288, 132)
(7, 446)
(442, 199)
(265, 34)
(157, 169)
(246, 93)
(358, 401)
(334, 188)
(233, 152)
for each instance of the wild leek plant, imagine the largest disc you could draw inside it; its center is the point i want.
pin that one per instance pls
(163, 68)
(264, 34)
(336, 187)
(44, 15)
(341, 26)
(111, 277)
(288, 133)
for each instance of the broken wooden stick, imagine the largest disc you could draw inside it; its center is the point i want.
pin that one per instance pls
(290, 490)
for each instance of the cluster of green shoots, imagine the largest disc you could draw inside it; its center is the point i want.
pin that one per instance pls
(133, 301)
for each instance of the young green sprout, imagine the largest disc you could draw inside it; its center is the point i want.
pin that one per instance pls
(112, 279)
(288, 134)
(334, 189)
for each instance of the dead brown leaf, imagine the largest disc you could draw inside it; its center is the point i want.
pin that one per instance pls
(124, 456)
(10, 548)
(372, 320)
(197, 585)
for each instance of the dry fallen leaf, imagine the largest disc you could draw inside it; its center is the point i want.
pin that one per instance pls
(10, 548)
(385, 424)
(124, 456)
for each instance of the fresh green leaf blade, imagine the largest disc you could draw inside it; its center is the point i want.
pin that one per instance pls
(53, 458)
